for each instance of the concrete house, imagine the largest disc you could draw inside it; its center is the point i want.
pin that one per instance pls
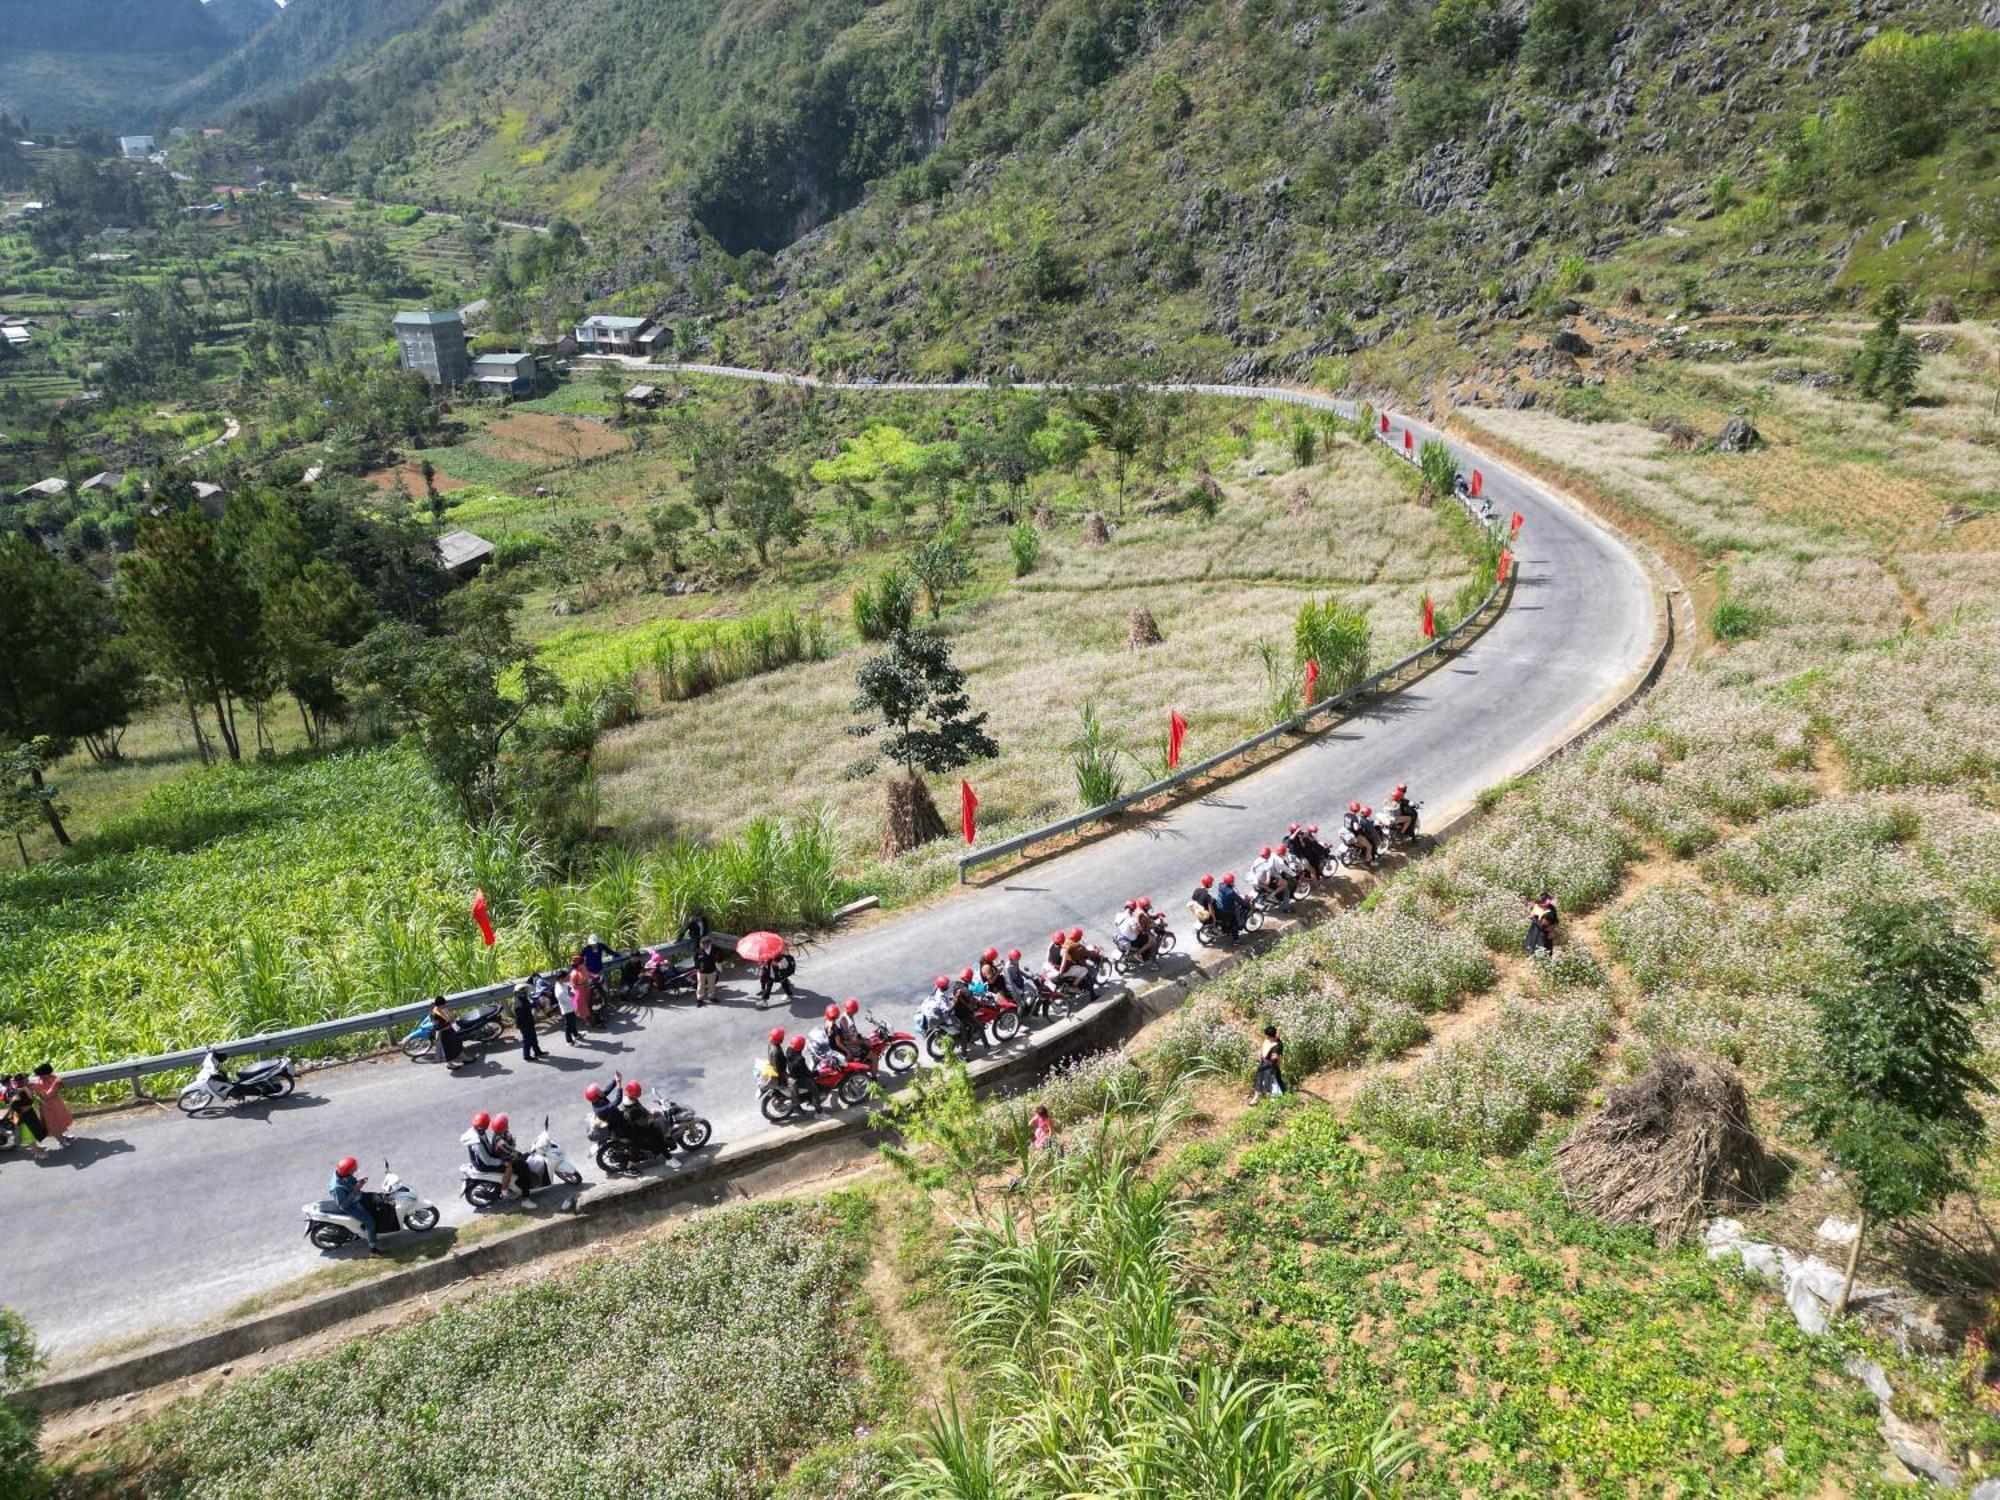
(605, 333)
(433, 344)
(105, 480)
(135, 147)
(509, 374)
(462, 554)
(43, 489)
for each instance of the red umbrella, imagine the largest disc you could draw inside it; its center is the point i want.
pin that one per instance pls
(759, 947)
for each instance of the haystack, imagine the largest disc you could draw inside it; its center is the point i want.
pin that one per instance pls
(1142, 630)
(1096, 532)
(1666, 1148)
(913, 819)
(1045, 518)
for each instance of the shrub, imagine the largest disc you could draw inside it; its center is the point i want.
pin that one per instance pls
(1095, 760)
(1025, 543)
(1337, 636)
(886, 606)
(1733, 620)
(1423, 965)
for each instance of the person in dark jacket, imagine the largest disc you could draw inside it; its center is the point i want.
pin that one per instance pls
(775, 974)
(695, 928)
(1270, 1082)
(707, 967)
(524, 1022)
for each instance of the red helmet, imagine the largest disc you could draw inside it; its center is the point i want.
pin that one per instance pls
(500, 1124)
(593, 1093)
(1312, 828)
(1076, 934)
(797, 1044)
(991, 955)
(852, 1007)
(833, 1012)
(1291, 828)
(345, 1167)
(1400, 789)
(1367, 812)
(1265, 852)
(965, 974)
(1015, 954)
(1145, 903)
(1230, 878)
(1207, 881)
(1130, 904)
(777, 1036)
(1057, 936)
(1354, 807)
(633, 1089)
(480, 1121)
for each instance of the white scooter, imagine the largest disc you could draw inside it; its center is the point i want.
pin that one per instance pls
(396, 1207)
(212, 1086)
(546, 1164)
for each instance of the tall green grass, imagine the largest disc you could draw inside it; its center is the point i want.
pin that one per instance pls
(681, 659)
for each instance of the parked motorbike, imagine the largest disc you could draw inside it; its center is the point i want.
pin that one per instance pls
(481, 1024)
(212, 1086)
(673, 1125)
(395, 1208)
(1129, 965)
(544, 1165)
(896, 1050)
(1000, 1017)
(840, 1079)
(659, 975)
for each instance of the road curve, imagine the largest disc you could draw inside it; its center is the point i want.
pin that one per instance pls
(153, 1221)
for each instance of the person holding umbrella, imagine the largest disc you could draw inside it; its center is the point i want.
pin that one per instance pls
(775, 966)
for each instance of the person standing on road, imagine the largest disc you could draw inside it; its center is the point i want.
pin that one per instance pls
(56, 1118)
(17, 1104)
(694, 929)
(566, 1003)
(524, 1022)
(776, 973)
(580, 983)
(707, 967)
(444, 1031)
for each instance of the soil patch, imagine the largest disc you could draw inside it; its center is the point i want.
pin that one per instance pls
(540, 438)
(412, 480)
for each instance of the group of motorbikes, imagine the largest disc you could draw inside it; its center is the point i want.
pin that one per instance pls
(838, 1063)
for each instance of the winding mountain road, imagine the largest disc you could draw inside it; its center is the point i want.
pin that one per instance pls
(154, 1221)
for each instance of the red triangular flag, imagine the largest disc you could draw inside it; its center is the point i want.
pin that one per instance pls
(1385, 424)
(1478, 483)
(967, 806)
(1506, 560)
(1430, 620)
(1409, 442)
(1176, 732)
(1312, 681)
(1518, 519)
(479, 915)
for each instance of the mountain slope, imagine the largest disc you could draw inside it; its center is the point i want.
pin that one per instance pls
(100, 62)
(239, 18)
(309, 38)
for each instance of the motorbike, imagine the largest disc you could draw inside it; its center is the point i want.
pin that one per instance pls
(1000, 1017)
(673, 1125)
(212, 1086)
(1128, 965)
(544, 1165)
(481, 1024)
(841, 1079)
(657, 975)
(1415, 838)
(9, 1137)
(395, 1208)
(1267, 901)
(896, 1050)
(1351, 852)
(1211, 933)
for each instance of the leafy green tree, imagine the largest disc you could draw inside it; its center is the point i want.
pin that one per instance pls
(28, 797)
(1892, 1092)
(764, 506)
(916, 692)
(1125, 418)
(193, 606)
(21, 1476)
(465, 697)
(671, 525)
(1886, 365)
(55, 628)
(1472, 36)
(1049, 274)
(1062, 441)
(712, 483)
(941, 566)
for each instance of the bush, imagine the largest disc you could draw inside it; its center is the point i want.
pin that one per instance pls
(1024, 542)
(1418, 963)
(1337, 636)
(886, 606)
(20, 1470)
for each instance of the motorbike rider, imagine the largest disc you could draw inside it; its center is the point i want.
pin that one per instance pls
(1126, 928)
(799, 1073)
(1373, 829)
(486, 1155)
(1057, 941)
(965, 1011)
(1402, 813)
(514, 1159)
(779, 1062)
(1270, 879)
(1230, 907)
(991, 976)
(1023, 991)
(345, 1191)
(845, 1031)
(1362, 830)
(607, 1109)
(1147, 942)
(639, 1120)
(1306, 845)
(1079, 963)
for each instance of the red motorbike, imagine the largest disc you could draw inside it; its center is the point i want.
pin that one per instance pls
(840, 1079)
(999, 1016)
(895, 1050)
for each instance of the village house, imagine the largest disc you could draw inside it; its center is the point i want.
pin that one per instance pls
(102, 482)
(433, 345)
(507, 374)
(43, 489)
(135, 147)
(462, 554)
(607, 333)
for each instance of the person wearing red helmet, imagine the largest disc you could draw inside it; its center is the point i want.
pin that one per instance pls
(843, 1035)
(345, 1191)
(1125, 929)
(1402, 814)
(483, 1150)
(503, 1146)
(640, 1124)
(1267, 879)
(992, 978)
(1201, 902)
(1230, 907)
(1056, 941)
(1142, 938)
(1304, 847)
(1081, 964)
(1015, 980)
(1372, 832)
(1359, 829)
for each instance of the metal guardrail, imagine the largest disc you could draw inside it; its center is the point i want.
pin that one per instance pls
(1296, 724)
(390, 1018)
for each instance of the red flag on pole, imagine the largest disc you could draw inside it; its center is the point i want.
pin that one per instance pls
(479, 915)
(1506, 561)
(1176, 732)
(967, 806)
(1430, 620)
(1385, 424)
(1518, 519)
(1312, 681)
(1409, 442)
(1478, 483)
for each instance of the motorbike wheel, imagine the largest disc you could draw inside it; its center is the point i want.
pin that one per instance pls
(417, 1048)
(694, 1135)
(482, 1194)
(1126, 965)
(277, 1088)
(854, 1089)
(901, 1056)
(423, 1220)
(934, 1044)
(1302, 891)
(572, 1177)
(330, 1236)
(1006, 1026)
(1252, 920)
(1166, 942)
(194, 1101)
(1206, 935)
(1349, 856)
(777, 1108)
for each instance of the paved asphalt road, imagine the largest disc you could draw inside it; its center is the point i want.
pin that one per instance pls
(154, 1221)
